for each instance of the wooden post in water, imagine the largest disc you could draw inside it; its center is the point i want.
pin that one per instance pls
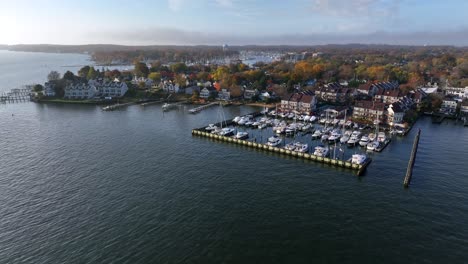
(409, 170)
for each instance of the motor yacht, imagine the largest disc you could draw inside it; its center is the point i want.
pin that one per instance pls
(210, 127)
(358, 159)
(317, 134)
(372, 146)
(364, 141)
(303, 148)
(321, 151)
(241, 135)
(227, 131)
(274, 141)
(381, 137)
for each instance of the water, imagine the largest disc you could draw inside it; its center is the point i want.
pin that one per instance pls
(21, 68)
(133, 186)
(79, 185)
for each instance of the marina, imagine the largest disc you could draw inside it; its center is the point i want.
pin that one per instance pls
(257, 130)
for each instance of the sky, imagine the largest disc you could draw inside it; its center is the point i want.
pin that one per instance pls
(234, 22)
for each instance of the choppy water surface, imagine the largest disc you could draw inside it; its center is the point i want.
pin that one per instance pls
(78, 185)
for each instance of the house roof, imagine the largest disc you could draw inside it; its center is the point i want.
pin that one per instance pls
(371, 105)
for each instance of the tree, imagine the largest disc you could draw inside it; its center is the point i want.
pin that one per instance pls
(38, 88)
(195, 96)
(155, 77)
(69, 76)
(53, 76)
(179, 67)
(141, 70)
(92, 74)
(83, 72)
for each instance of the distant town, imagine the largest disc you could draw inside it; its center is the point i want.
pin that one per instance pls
(390, 84)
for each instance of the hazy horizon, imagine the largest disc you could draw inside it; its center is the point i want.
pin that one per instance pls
(236, 22)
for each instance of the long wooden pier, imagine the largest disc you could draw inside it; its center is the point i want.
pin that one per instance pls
(16, 95)
(203, 107)
(409, 170)
(359, 168)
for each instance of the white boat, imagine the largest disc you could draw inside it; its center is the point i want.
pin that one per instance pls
(335, 136)
(290, 115)
(381, 137)
(255, 124)
(358, 159)
(372, 146)
(241, 135)
(300, 147)
(306, 127)
(236, 119)
(344, 139)
(290, 146)
(306, 118)
(348, 124)
(249, 123)
(371, 137)
(242, 121)
(262, 125)
(274, 141)
(324, 137)
(211, 127)
(317, 134)
(364, 141)
(313, 119)
(321, 151)
(227, 131)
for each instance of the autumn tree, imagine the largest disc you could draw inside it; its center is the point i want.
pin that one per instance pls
(53, 75)
(141, 69)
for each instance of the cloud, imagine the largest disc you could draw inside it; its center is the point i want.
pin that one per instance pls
(225, 3)
(175, 5)
(356, 7)
(174, 36)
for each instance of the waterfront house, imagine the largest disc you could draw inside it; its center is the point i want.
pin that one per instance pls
(395, 113)
(449, 105)
(169, 87)
(112, 89)
(205, 93)
(250, 93)
(190, 90)
(49, 89)
(224, 94)
(456, 91)
(389, 96)
(300, 102)
(464, 108)
(371, 88)
(369, 110)
(335, 93)
(80, 91)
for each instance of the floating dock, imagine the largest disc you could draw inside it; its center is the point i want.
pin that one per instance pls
(409, 170)
(115, 106)
(359, 168)
(202, 107)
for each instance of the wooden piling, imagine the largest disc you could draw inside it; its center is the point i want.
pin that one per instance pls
(409, 170)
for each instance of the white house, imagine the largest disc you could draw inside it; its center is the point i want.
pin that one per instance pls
(49, 89)
(112, 89)
(449, 105)
(80, 91)
(456, 91)
(395, 113)
(224, 95)
(169, 87)
(205, 93)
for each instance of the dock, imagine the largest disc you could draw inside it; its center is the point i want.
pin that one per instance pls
(115, 106)
(202, 107)
(152, 103)
(409, 170)
(358, 168)
(17, 95)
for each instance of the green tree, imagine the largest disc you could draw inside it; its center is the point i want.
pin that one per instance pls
(53, 76)
(155, 77)
(69, 76)
(179, 67)
(92, 74)
(83, 72)
(38, 88)
(141, 69)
